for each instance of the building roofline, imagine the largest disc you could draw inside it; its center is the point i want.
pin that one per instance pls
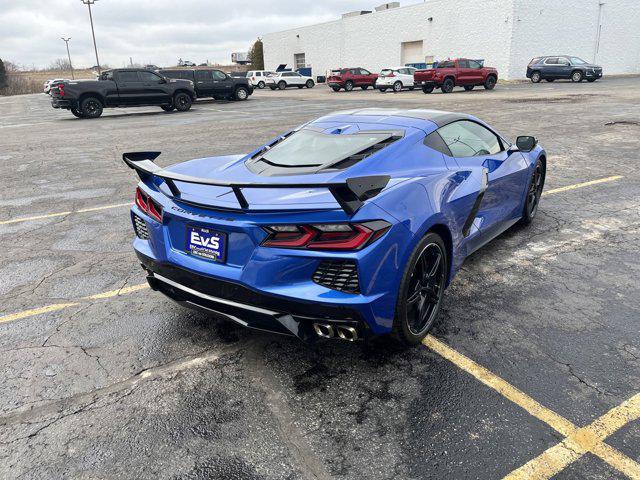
(337, 20)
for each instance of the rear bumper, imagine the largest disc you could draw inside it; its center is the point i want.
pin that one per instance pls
(426, 83)
(246, 307)
(63, 103)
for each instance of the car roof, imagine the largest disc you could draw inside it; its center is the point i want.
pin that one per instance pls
(417, 117)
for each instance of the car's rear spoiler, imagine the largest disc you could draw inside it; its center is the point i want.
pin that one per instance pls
(350, 194)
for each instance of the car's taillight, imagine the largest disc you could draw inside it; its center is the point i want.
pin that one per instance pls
(148, 205)
(325, 236)
(61, 90)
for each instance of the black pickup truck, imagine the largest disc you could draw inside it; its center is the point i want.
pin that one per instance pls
(123, 88)
(213, 83)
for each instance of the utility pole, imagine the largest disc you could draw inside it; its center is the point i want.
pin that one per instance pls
(66, 41)
(88, 3)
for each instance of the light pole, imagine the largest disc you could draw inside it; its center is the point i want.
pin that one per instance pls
(88, 3)
(66, 41)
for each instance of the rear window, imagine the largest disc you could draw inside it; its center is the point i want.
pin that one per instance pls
(535, 61)
(386, 71)
(179, 74)
(307, 148)
(447, 64)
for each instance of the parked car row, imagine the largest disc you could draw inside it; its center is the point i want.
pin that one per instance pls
(445, 75)
(168, 89)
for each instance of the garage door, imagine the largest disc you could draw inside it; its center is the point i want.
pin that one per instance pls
(412, 52)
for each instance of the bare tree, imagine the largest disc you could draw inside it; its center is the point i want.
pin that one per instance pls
(60, 64)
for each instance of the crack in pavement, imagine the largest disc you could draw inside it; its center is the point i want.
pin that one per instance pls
(80, 402)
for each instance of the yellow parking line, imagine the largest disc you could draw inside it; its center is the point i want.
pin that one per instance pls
(578, 441)
(582, 185)
(35, 311)
(115, 293)
(60, 306)
(583, 440)
(62, 214)
(558, 423)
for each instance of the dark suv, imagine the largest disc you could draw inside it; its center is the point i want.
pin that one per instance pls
(562, 66)
(213, 83)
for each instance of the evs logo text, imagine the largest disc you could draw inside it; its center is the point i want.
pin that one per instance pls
(213, 242)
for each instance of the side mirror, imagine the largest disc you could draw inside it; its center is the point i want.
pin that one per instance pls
(526, 143)
(163, 80)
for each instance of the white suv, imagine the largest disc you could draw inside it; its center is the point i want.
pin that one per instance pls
(283, 80)
(396, 78)
(258, 78)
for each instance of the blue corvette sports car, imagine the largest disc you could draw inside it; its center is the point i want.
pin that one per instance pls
(349, 226)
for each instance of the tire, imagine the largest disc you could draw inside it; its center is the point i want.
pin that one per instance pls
(76, 113)
(364, 87)
(421, 290)
(427, 88)
(241, 94)
(91, 107)
(273, 88)
(282, 84)
(182, 101)
(447, 86)
(550, 80)
(591, 80)
(536, 77)
(167, 108)
(261, 85)
(490, 82)
(534, 192)
(300, 86)
(309, 84)
(348, 86)
(468, 88)
(383, 89)
(335, 89)
(577, 76)
(397, 86)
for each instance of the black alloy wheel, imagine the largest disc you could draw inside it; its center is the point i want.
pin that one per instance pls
(182, 102)
(421, 291)
(447, 85)
(534, 193)
(490, 82)
(91, 108)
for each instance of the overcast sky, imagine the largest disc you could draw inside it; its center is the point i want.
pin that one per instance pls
(153, 31)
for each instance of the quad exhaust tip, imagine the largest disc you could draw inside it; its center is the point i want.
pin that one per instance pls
(326, 330)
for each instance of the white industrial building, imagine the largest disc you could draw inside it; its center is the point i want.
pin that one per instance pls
(506, 33)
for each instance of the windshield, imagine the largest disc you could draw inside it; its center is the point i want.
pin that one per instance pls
(307, 148)
(577, 61)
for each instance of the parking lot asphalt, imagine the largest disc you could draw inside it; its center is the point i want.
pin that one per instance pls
(533, 370)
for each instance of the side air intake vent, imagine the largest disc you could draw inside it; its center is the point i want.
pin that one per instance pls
(341, 275)
(140, 227)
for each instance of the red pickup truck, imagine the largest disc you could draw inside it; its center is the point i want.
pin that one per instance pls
(456, 73)
(348, 78)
